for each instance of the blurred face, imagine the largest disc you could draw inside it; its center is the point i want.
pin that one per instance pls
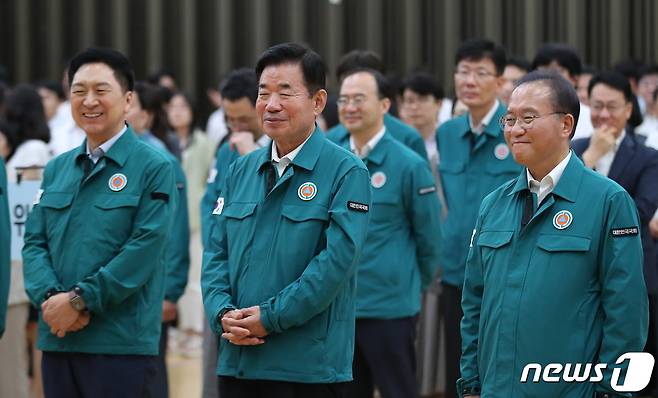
(50, 102)
(98, 103)
(647, 86)
(538, 135)
(609, 108)
(556, 67)
(286, 110)
(511, 75)
(476, 82)
(420, 110)
(241, 115)
(5, 148)
(179, 113)
(581, 87)
(137, 117)
(360, 109)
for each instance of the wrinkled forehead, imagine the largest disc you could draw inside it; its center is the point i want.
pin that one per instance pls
(532, 96)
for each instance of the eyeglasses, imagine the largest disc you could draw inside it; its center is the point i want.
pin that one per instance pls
(422, 99)
(357, 100)
(598, 107)
(478, 74)
(525, 121)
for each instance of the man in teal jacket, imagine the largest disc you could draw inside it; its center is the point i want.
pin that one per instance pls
(474, 160)
(402, 132)
(95, 243)
(5, 247)
(279, 276)
(401, 254)
(554, 273)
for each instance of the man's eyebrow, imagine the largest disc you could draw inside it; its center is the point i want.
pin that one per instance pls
(82, 84)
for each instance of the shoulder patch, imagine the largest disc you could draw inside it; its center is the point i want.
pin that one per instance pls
(426, 190)
(160, 196)
(356, 206)
(627, 231)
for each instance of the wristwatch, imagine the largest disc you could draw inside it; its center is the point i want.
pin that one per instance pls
(75, 298)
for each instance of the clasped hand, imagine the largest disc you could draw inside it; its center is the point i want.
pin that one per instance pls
(243, 326)
(61, 317)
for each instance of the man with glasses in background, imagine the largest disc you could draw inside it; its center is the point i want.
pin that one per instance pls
(474, 161)
(554, 273)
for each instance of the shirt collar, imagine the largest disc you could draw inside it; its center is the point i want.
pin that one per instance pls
(104, 147)
(290, 156)
(485, 120)
(551, 179)
(368, 147)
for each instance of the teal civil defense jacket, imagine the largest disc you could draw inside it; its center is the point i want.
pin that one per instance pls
(223, 159)
(5, 247)
(399, 130)
(177, 256)
(567, 288)
(294, 252)
(107, 234)
(401, 254)
(467, 176)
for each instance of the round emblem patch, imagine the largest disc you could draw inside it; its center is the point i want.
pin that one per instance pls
(562, 219)
(501, 151)
(117, 182)
(307, 191)
(378, 179)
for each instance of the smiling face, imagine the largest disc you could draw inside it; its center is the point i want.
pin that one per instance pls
(609, 108)
(363, 110)
(285, 108)
(98, 102)
(541, 145)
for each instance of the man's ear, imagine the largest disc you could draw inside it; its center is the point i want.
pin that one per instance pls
(319, 101)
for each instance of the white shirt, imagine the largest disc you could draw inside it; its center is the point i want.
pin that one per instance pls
(432, 149)
(64, 133)
(445, 113)
(31, 153)
(95, 154)
(584, 127)
(649, 129)
(369, 146)
(282, 163)
(547, 184)
(603, 165)
(485, 120)
(216, 127)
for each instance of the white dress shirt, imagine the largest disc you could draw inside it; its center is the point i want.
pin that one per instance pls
(283, 162)
(485, 120)
(368, 147)
(603, 165)
(547, 184)
(104, 147)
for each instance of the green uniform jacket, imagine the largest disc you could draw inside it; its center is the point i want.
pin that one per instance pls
(401, 131)
(401, 254)
(467, 177)
(295, 258)
(177, 255)
(109, 243)
(548, 295)
(225, 156)
(5, 247)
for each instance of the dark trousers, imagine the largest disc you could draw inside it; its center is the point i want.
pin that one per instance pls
(75, 375)
(451, 313)
(384, 356)
(161, 384)
(231, 387)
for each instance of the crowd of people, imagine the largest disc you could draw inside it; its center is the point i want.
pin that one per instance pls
(384, 239)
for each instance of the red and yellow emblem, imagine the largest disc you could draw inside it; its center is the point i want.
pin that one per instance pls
(118, 182)
(562, 219)
(307, 191)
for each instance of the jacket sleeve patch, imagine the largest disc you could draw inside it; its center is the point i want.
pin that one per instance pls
(627, 231)
(356, 206)
(426, 190)
(160, 196)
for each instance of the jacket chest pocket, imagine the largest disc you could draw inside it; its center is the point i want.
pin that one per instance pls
(563, 250)
(56, 208)
(114, 214)
(302, 230)
(385, 206)
(494, 246)
(239, 221)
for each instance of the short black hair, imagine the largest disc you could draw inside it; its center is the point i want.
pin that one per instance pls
(649, 70)
(154, 78)
(565, 55)
(614, 80)
(477, 49)
(313, 68)
(422, 83)
(383, 85)
(24, 110)
(359, 59)
(629, 68)
(563, 97)
(519, 62)
(123, 70)
(240, 83)
(588, 70)
(54, 86)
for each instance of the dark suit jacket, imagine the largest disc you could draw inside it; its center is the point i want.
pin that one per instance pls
(635, 168)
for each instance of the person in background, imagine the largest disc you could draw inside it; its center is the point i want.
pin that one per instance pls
(177, 258)
(164, 77)
(632, 69)
(5, 247)
(64, 132)
(52, 96)
(515, 69)
(216, 125)
(583, 83)
(564, 59)
(646, 86)
(648, 130)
